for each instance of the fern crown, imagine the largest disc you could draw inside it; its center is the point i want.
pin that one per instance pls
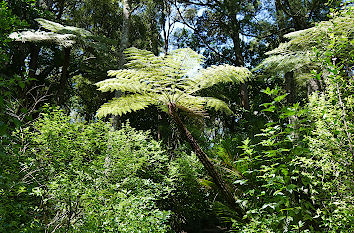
(66, 36)
(297, 54)
(163, 80)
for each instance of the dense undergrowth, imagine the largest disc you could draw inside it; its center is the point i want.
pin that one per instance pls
(288, 163)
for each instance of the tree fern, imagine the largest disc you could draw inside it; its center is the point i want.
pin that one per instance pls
(297, 53)
(172, 82)
(175, 78)
(67, 36)
(59, 34)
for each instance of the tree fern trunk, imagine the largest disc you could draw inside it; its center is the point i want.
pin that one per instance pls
(225, 190)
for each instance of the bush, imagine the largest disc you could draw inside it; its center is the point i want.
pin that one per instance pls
(87, 178)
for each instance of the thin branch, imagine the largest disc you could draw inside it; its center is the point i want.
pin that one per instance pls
(203, 39)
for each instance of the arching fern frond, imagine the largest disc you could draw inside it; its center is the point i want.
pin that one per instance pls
(66, 40)
(299, 61)
(66, 36)
(218, 74)
(61, 29)
(122, 84)
(126, 104)
(217, 105)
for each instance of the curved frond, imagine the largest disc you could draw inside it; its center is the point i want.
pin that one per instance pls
(121, 84)
(198, 104)
(193, 103)
(217, 105)
(219, 74)
(137, 80)
(65, 40)
(142, 59)
(66, 36)
(126, 104)
(58, 28)
(287, 62)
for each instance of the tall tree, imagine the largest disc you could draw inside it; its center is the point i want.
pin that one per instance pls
(220, 25)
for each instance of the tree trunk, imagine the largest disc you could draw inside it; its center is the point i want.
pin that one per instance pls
(244, 96)
(124, 41)
(34, 50)
(64, 76)
(61, 9)
(225, 190)
(290, 87)
(239, 62)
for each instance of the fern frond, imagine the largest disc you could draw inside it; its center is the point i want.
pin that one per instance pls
(300, 61)
(66, 36)
(198, 104)
(126, 104)
(217, 105)
(219, 74)
(141, 78)
(121, 84)
(142, 59)
(65, 40)
(61, 29)
(193, 103)
(296, 54)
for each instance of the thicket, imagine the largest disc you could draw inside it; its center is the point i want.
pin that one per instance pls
(281, 163)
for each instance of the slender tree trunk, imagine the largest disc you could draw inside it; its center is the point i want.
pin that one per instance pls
(290, 87)
(61, 9)
(244, 96)
(225, 190)
(124, 42)
(240, 62)
(34, 50)
(64, 76)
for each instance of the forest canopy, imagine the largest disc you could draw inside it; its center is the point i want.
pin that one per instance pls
(176, 116)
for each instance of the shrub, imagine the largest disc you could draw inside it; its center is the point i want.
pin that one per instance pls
(88, 178)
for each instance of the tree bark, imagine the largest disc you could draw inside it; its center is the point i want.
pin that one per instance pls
(124, 41)
(61, 9)
(225, 190)
(64, 76)
(290, 87)
(34, 50)
(239, 62)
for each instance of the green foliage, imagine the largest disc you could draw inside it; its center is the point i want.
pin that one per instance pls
(298, 53)
(160, 80)
(298, 177)
(9, 23)
(87, 178)
(188, 201)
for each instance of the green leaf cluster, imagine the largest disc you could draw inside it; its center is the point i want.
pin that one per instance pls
(84, 177)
